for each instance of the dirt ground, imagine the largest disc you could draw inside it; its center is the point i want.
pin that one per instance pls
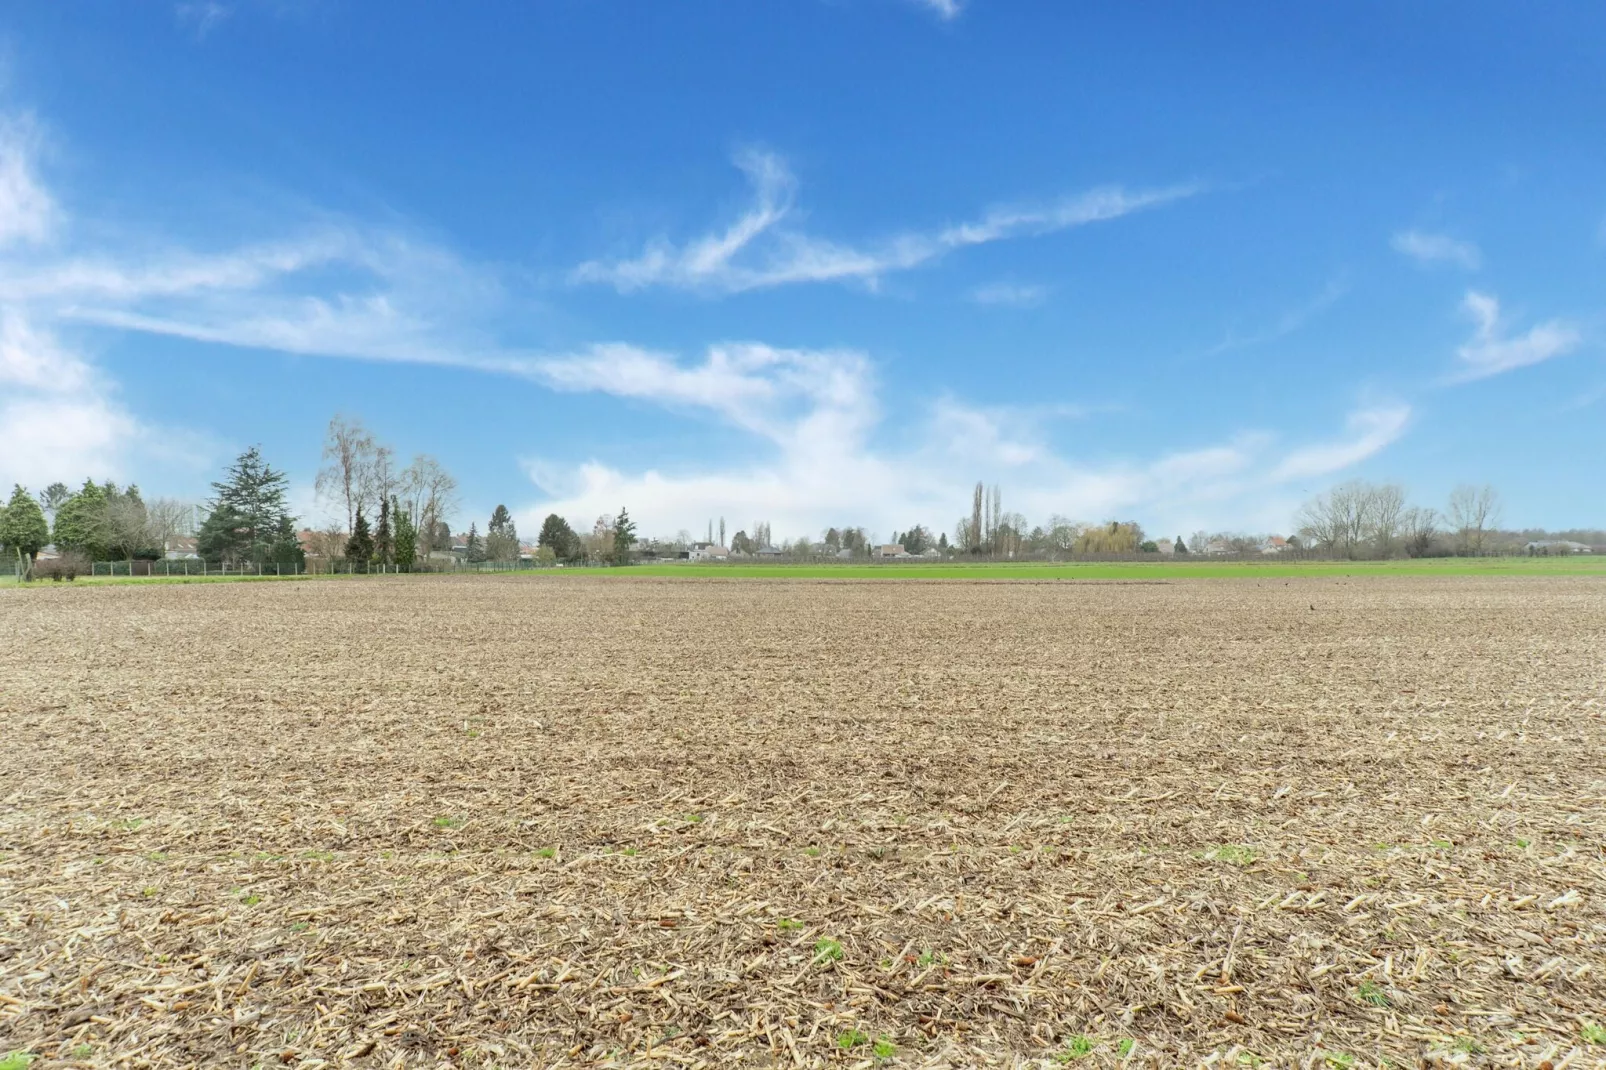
(528, 821)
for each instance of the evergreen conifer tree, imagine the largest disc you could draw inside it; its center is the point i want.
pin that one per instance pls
(384, 539)
(560, 538)
(286, 550)
(406, 538)
(502, 537)
(360, 547)
(624, 534)
(1181, 547)
(81, 523)
(249, 519)
(474, 547)
(23, 531)
(54, 497)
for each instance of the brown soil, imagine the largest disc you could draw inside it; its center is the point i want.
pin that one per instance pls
(527, 821)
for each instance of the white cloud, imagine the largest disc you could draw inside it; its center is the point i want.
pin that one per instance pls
(821, 449)
(1286, 324)
(943, 9)
(819, 458)
(1013, 295)
(201, 17)
(1491, 350)
(1369, 431)
(1437, 249)
(27, 211)
(63, 438)
(57, 420)
(60, 416)
(33, 359)
(760, 250)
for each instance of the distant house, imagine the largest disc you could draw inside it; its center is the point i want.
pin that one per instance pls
(1217, 546)
(1274, 544)
(1558, 546)
(705, 551)
(767, 551)
(894, 550)
(181, 548)
(931, 551)
(1166, 546)
(845, 553)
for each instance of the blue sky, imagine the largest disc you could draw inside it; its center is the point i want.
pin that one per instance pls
(813, 261)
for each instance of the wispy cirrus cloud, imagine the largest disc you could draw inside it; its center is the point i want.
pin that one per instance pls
(201, 17)
(821, 447)
(28, 212)
(818, 415)
(1426, 248)
(1009, 294)
(1492, 350)
(1369, 430)
(947, 10)
(61, 418)
(1285, 325)
(761, 248)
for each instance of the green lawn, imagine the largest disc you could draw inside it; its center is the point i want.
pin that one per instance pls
(967, 570)
(1131, 570)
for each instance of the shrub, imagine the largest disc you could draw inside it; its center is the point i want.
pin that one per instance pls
(66, 567)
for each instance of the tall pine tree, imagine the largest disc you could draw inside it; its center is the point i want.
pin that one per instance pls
(474, 549)
(560, 538)
(384, 540)
(406, 550)
(23, 531)
(249, 523)
(624, 536)
(81, 523)
(502, 537)
(360, 547)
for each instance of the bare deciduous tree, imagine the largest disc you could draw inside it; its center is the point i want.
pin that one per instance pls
(976, 532)
(1473, 511)
(1384, 509)
(379, 477)
(1418, 525)
(125, 525)
(429, 495)
(346, 475)
(327, 544)
(1337, 521)
(168, 517)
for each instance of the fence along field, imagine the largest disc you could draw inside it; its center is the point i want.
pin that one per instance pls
(515, 821)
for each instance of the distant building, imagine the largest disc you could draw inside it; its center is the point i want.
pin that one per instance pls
(1274, 544)
(705, 551)
(894, 550)
(1558, 547)
(1166, 546)
(766, 551)
(181, 548)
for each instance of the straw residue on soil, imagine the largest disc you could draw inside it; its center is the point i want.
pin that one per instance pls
(525, 821)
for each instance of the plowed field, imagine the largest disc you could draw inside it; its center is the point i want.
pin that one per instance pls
(533, 821)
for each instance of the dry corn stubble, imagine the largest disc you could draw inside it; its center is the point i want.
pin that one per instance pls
(579, 822)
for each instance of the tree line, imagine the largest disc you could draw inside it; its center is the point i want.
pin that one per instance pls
(1358, 519)
(399, 517)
